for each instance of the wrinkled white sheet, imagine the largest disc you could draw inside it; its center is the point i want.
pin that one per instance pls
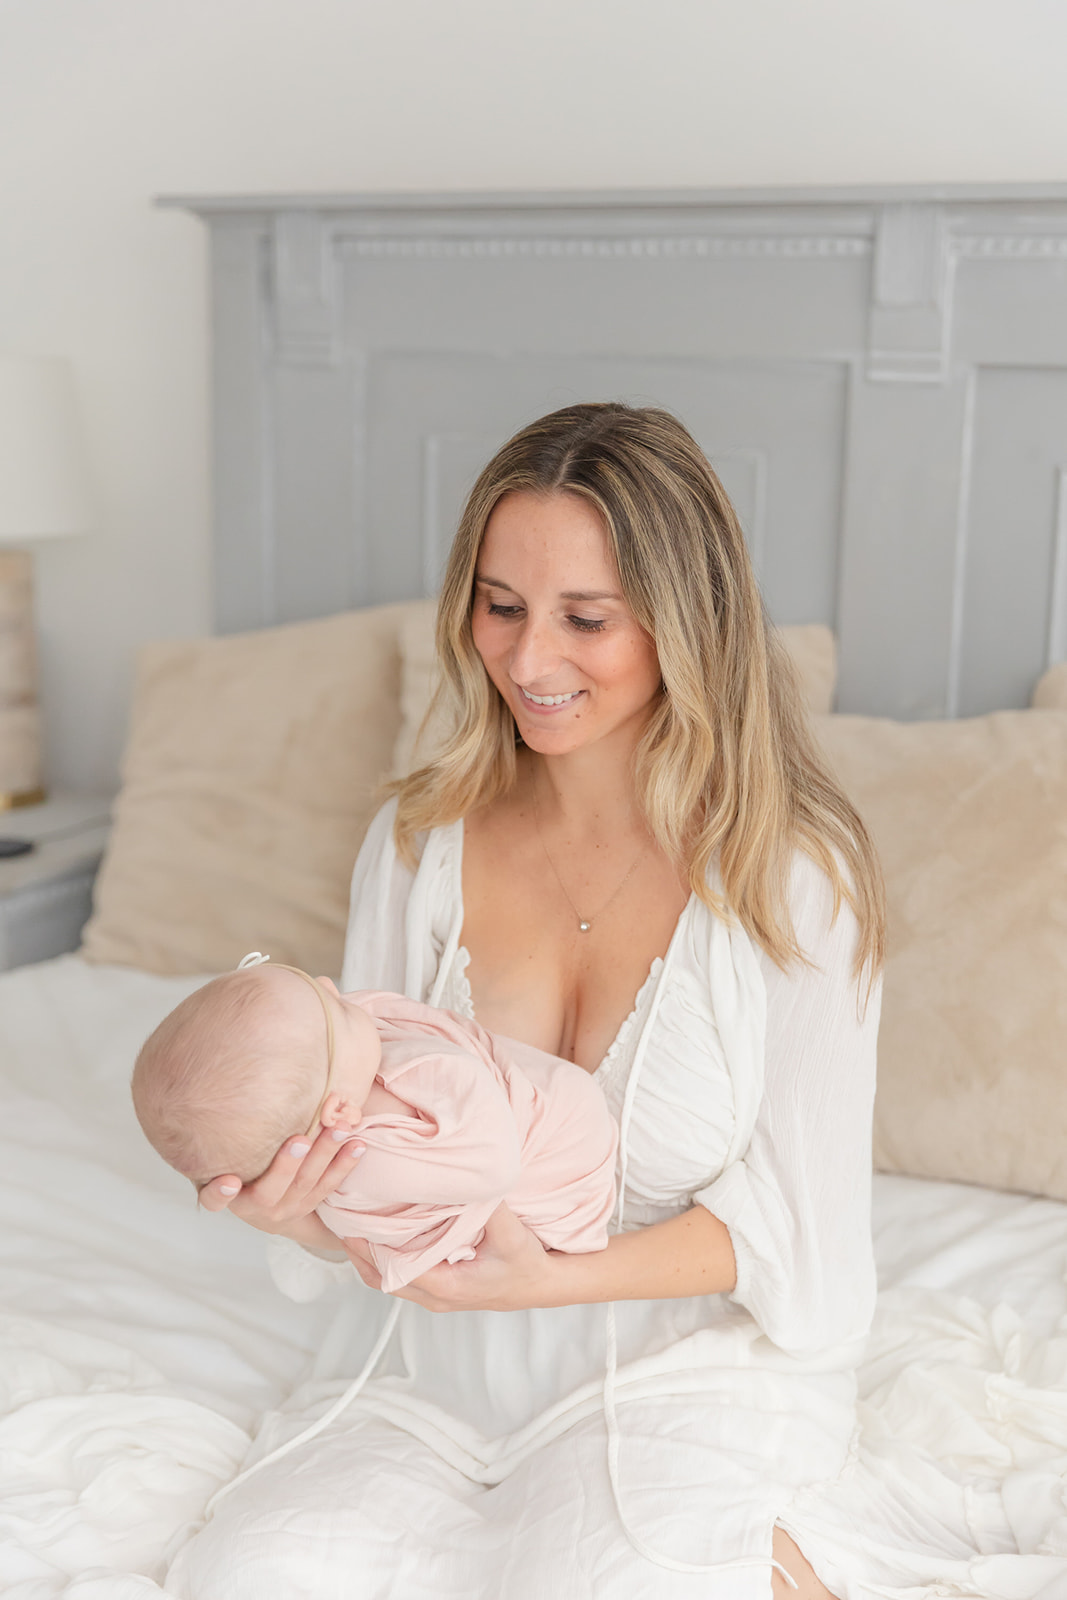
(141, 1341)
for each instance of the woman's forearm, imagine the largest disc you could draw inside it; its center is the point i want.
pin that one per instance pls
(314, 1235)
(690, 1254)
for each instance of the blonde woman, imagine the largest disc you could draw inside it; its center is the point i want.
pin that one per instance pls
(628, 853)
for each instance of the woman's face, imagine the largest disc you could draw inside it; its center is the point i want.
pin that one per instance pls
(551, 625)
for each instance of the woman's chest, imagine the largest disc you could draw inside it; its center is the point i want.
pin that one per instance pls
(535, 973)
(692, 1098)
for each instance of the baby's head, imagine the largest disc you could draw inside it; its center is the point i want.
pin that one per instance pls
(242, 1065)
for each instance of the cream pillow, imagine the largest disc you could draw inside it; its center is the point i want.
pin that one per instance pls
(249, 778)
(811, 650)
(970, 818)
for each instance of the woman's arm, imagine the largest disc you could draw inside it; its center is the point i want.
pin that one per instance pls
(690, 1254)
(798, 1204)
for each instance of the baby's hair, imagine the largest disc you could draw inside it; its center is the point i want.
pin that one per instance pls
(227, 1077)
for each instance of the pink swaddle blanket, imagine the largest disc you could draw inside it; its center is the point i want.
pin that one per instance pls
(489, 1120)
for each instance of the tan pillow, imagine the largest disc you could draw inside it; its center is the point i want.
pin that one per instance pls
(248, 781)
(970, 818)
(811, 649)
(1050, 692)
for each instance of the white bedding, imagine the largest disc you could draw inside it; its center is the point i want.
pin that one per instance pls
(140, 1340)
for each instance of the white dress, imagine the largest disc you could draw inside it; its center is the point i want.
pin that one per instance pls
(473, 1464)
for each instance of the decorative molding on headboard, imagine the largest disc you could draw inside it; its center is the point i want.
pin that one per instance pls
(1011, 246)
(650, 245)
(1056, 638)
(305, 289)
(879, 374)
(911, 302)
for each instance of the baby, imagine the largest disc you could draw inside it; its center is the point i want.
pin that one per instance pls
(453, 1119)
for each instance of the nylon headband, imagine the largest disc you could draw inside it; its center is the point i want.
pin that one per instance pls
(257, 959)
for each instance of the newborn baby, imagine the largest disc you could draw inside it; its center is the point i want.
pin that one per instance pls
(454, 1120)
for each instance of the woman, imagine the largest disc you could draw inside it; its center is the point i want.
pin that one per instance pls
(628, 854)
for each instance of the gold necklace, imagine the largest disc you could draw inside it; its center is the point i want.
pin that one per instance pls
(584, 923)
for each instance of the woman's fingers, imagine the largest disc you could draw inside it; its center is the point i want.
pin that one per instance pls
(508, 1266)
(302, 1174)
(299, 1178)
(217, 1195)
(504, 1234)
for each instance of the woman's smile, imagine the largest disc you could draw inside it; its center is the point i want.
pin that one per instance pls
(550, 702)
(553, 628)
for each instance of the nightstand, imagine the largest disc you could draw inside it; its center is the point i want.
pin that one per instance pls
(45, 896)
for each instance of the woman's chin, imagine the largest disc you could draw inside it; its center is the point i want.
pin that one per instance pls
(548, 739)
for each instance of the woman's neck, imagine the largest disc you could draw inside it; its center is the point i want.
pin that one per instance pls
(588, 792)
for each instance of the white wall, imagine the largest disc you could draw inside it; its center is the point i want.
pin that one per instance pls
(107, 103)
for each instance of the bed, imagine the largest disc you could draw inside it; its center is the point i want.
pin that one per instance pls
(144, 1343)
(145, 1347)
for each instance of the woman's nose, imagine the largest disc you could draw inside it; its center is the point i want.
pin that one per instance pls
(535, 652)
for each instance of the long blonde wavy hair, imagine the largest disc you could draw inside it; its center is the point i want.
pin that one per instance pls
(727, 772)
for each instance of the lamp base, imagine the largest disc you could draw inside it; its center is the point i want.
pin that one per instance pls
(20, 729)
(11, 800)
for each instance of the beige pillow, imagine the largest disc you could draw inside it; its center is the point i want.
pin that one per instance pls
(1050, 692)
(249, 778)
(811, 650)
(970, 818)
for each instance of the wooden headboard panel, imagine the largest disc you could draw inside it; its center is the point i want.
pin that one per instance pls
(880, 378)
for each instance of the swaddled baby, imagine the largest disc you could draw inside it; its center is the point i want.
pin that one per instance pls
(454, 1120)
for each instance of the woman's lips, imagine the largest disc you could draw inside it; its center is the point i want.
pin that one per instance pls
(547, 704)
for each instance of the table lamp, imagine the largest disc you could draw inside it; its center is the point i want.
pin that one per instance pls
(44, 494)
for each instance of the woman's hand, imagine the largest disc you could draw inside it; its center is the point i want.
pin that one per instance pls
(687, 1255)
(511, 1270)
(283, 1199)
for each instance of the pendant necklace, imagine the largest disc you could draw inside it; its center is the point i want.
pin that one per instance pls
(584, 923)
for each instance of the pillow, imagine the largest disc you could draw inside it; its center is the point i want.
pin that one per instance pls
(970, 818)
(249, 778)
(1050, 692)
(811, 649)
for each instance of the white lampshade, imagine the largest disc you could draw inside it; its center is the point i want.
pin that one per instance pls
(45, 486)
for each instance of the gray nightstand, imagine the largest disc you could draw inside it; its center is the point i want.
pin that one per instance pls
(45, 895)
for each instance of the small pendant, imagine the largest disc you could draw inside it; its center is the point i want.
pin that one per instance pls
(583, 927)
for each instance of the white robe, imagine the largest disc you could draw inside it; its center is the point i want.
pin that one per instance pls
(474, 1464)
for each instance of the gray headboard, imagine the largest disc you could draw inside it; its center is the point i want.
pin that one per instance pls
(879, 376)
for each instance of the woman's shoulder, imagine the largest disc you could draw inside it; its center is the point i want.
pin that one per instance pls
(821, 911)
(379, 847)
(818, 909)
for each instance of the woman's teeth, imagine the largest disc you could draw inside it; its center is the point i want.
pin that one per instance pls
(550, 699)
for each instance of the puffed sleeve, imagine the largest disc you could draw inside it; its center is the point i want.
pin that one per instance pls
(798, 1203)
(375, 944)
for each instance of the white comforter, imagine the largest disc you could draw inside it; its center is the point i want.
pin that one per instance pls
(142, 1341)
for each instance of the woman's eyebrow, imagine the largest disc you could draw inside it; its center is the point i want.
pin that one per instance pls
(567, 594)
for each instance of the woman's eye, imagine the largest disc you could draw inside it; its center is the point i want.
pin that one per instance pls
(496, 610)
(586, 624)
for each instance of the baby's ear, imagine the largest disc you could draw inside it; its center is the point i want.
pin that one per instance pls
(340, 1109)
(328, 983)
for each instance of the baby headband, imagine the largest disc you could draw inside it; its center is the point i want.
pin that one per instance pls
(256, 958)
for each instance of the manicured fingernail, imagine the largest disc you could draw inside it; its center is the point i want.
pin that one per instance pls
(340, 1134)
(299, 1149)
(354, 1151)
(227, 1188)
